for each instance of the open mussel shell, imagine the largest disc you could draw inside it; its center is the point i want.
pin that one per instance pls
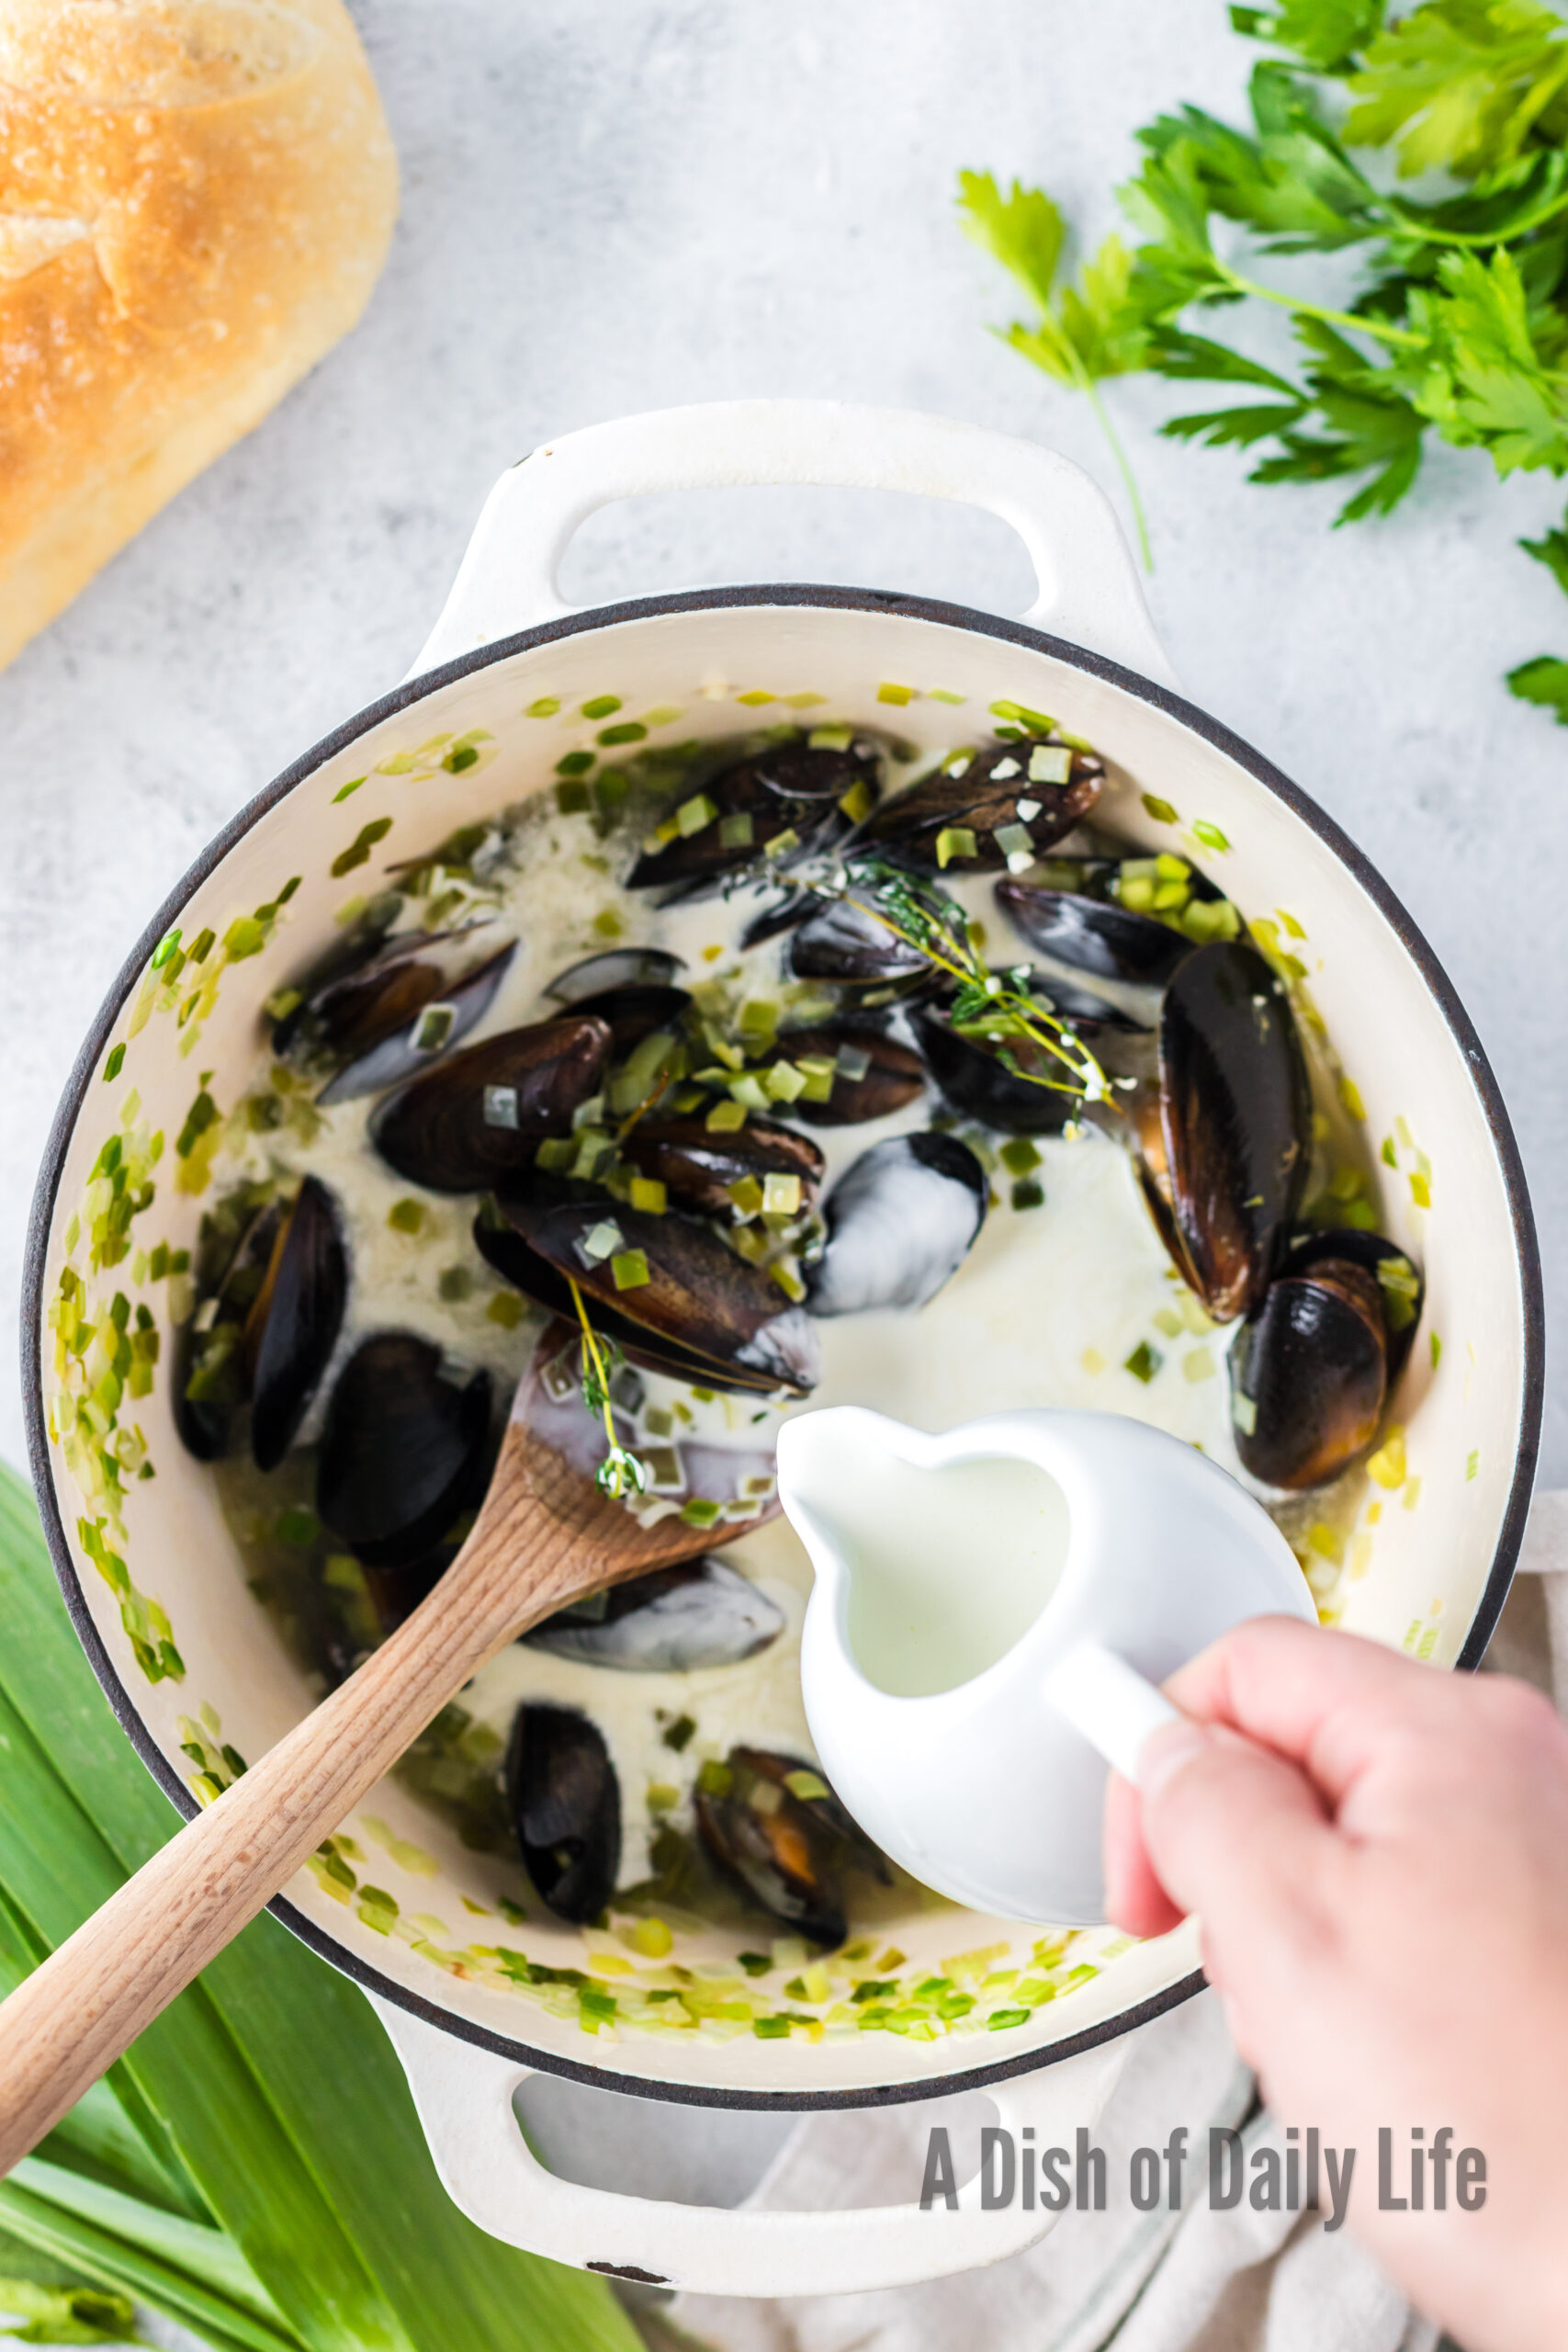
(1309, 1376)
(211, 1376)
(698, 1165)
(1400, 1280)
(633, 990)
(561, 1438)
(336, 1005)
(704, 1314)
(775, 1825)
(1015, 800)
(841, 941)
(632, 1013)
(1235, 1124)
(789, 789)
(444, 1014)
(776, 916)
(1037, 1096)
(900, 1221)
(566, 1807)
(481, 1113)
(266, 1330)
(404, 1450)
(1094, 937)
(700, 1613)
(617, 967)
(294, 1321)
(874, 1075)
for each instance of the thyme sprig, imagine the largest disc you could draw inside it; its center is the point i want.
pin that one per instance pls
(620, 1474)
(992, 1005)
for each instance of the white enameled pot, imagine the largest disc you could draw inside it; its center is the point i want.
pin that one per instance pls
(185, 1652)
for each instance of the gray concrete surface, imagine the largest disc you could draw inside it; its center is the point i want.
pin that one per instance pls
(610, 206)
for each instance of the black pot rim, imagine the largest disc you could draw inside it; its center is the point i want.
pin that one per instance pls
(413, 690)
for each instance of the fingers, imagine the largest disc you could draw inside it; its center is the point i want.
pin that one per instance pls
(1325, 1699)
(1231, 1814)
(1134, 1899)
(1233, 1831)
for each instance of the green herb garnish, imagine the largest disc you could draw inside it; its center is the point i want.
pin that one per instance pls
(620, 1474)
(1459, 326)
(991, 1006)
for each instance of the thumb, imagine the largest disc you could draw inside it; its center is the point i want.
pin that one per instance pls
(1239, 1834)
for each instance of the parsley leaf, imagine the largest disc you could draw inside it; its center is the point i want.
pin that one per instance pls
(1553, 550)
(1542, 681)
(1086, 331)
(1083, 334)
(1486, 381)
(1326, 34)
(1460, 84)
(1459, 322)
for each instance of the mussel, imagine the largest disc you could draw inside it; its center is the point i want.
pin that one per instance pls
(900, 1220)
(553, 1419)
(995, 814)
(772, 1822)
(446, 1014)
(771, 918)
(872, 1074)
(1309, 1376)
(1399, 1280)
(633, 1013)
(566, 1807)
(271, 1331)
(700, 1166)
(1013, 1082)
(839, 940)
(347, 984)
(702, 1612)
(292, 1326)
(404, 1450)
(1132, 954)
(616, 967)
(1224, 1150)
(681, 1301)
(382, 1008)
(632, 989)
(211, 1378)
(1311, 1371)
(482, 1112)
(779, 805)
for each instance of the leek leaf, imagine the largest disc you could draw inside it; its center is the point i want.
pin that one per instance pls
(101, 2256)
(281, 2092)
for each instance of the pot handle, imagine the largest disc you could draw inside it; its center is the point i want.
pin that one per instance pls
(464, 2098)
(1089, 589)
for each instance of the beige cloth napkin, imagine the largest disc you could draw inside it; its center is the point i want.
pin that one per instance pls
(1193, 2281)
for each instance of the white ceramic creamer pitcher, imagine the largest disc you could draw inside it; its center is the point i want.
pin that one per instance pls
(957, 1577)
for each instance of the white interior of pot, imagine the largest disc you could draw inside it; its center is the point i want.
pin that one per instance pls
(1414, 1570)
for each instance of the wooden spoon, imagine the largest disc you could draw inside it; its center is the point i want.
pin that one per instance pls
(544, 1537)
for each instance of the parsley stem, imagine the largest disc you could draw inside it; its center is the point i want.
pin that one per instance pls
(1124, 467)
(1408, 223)
(1299, 309)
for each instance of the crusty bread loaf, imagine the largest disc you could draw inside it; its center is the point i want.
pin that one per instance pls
(195, 199)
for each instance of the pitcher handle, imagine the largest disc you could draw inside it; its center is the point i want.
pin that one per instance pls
(1087, 586)
(464, 2097)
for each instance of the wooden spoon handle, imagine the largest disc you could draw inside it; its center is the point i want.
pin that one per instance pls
(78, 2012)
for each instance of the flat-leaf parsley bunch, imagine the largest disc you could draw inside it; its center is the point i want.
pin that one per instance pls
(1460, 321)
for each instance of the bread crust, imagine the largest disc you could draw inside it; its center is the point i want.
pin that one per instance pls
(195, 199)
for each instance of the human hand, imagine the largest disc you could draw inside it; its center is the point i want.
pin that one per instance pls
(1378, 1852)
